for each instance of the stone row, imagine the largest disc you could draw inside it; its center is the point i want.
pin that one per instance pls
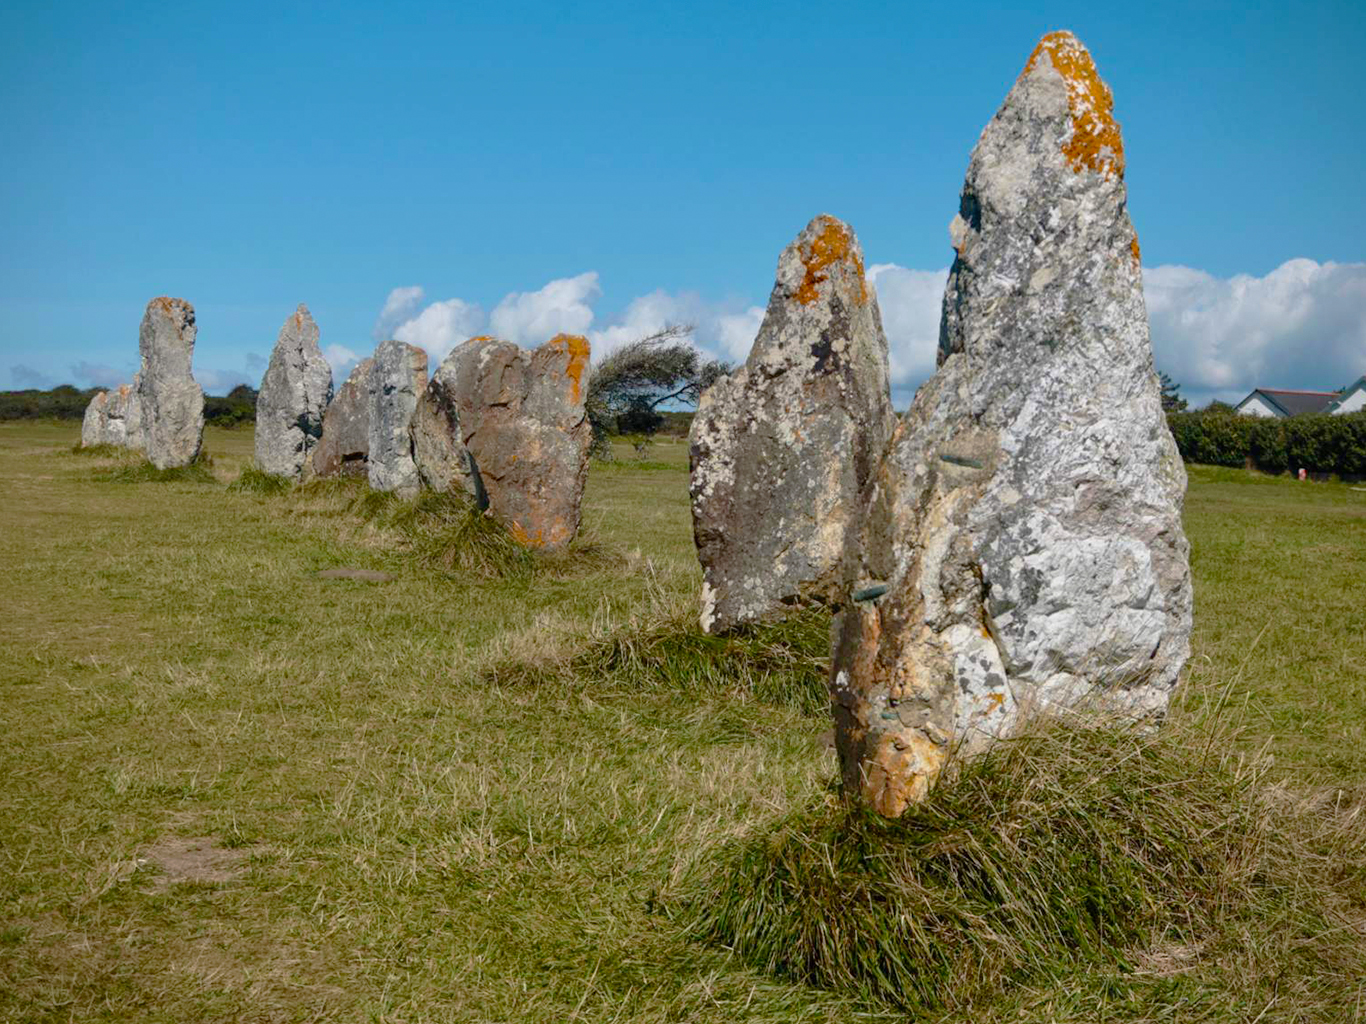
(505, 426)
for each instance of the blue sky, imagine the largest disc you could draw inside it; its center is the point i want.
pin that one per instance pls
(613, 165)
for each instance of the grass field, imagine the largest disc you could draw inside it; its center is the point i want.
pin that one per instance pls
(232, 790)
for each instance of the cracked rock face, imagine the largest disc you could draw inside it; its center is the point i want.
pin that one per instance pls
(114, 417)
(397, 381)
(782, 448)
(295, 392)
(344, 447)
(438, 444)
(171, 402)
(1023, 548)
(522, 420)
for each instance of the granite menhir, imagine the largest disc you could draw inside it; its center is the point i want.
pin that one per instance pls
(782, 448)
(295, 392)
(1022, 550)
(170, 401)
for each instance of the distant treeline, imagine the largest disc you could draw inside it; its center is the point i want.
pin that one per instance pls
(1317, 443)
(65, 402)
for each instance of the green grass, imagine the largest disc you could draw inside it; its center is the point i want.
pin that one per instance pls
(469, 794)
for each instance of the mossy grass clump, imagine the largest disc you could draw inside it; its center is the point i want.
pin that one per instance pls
(255, 480)
(449, 533)
(1091, 861)
(200, 471)
(783, 662)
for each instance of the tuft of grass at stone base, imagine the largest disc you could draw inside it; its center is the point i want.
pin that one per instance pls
(1091, 851)
(256, 481)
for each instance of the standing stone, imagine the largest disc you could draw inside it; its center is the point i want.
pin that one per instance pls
(397, 381)
(438, 445)
(344, 448)
(1023, 550)
(782, 448)
(523, 422)
(294, 394)
(116, 416)
(135, 436)
(92, 425)
(172, 402)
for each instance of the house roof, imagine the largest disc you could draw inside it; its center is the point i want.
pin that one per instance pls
(1293, 403)
(1346, 393)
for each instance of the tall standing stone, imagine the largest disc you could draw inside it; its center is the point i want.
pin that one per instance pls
(295, 392)
(523, 421)
(92, 424)
(344, 448)
(438, 444)
(172, 402)
(782, 448)
(397, 381)
(1023, 550)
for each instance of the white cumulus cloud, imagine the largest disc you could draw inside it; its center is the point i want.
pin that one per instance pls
(441, 326)
(401, 304)
(735, 333)
(909, 301)
(1303, 325)
(564, 306)
(342, 360)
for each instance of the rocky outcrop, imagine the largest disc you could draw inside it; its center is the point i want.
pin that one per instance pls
(92, 425)
(1023, 550)
(172, 403)
(344, 448)
(523, 422)
(396, 383)
(782, 448)
(439, 449)
(295, 392)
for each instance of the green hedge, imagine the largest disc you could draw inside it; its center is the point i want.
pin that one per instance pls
(1318, 443)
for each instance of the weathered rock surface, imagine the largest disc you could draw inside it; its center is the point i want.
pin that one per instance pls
(1023, 550)
(783, 447)
(172, 403)
(397, 382)
(438, 445)
(295, 392)
(123, 417)
(523, 422)
(92, 424)
(344, 448)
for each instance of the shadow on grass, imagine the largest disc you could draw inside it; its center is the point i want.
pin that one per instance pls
(1074, 869)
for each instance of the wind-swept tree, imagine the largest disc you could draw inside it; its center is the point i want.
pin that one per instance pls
(1171, 394)
(628, 385)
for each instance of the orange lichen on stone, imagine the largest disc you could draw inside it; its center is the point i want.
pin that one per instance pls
(1096, 143)
(832, 244)
(1133, 248)
(577, 347)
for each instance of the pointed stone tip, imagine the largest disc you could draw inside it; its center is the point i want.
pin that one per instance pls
(578, 350)
(824, 242)
(1096, 143)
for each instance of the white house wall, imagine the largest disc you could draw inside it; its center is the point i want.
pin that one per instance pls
(1256, 405)
(1354, 402)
